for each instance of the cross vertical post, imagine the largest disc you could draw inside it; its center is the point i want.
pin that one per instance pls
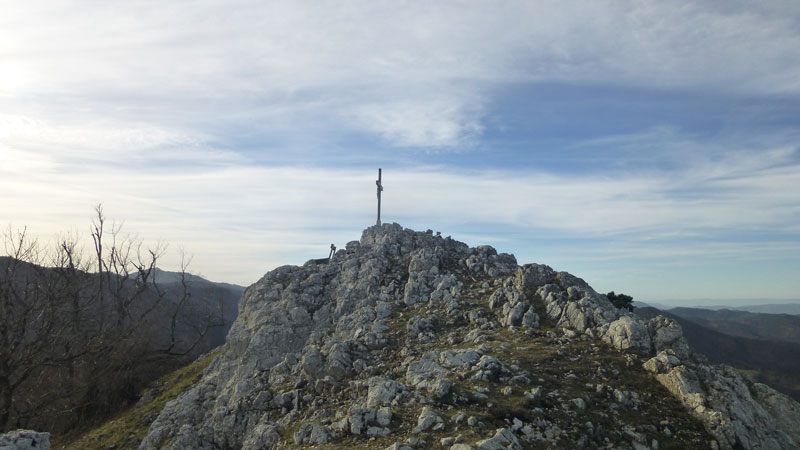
(380, 188)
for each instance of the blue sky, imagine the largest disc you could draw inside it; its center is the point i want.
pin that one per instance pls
(650, 147)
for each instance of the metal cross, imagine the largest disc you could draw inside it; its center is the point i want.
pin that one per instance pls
(380, 188)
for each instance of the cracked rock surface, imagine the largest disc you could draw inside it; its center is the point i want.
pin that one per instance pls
(408, 340)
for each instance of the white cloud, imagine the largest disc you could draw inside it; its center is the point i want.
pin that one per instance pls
(28, 144)
(134, 103)
(417, 75)
(242, 220)
(422, 123)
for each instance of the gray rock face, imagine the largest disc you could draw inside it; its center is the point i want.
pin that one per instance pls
(484, 260)
(428, 419)
(576, 306)
(627, 333)
(740, 414)
(422, 328)
(667, 334)
(463, 359)
(360, 419)
(504, 439)
(383, 391)
(429, 375)
(402, 324)
(513, 307)
(312, 434)
(24, 440)
(532, 276)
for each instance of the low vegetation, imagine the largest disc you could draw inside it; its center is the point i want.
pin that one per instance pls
(620, 300)
(127, 430)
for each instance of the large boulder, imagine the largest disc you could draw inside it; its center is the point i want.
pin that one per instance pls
(428, 375)
(24, 440)
(504, 439)
(627, 333)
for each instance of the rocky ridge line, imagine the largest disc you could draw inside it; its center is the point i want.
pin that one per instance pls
(414, 340)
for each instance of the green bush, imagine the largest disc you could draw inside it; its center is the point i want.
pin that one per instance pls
(621, 300)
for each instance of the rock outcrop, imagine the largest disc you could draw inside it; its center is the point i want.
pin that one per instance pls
(25, 440)
(409, 340)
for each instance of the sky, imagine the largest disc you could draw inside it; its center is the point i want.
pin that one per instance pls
(649, 147)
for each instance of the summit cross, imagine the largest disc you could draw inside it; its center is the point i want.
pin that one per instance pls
(380, 188)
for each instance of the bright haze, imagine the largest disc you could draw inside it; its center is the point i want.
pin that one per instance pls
(650, 147)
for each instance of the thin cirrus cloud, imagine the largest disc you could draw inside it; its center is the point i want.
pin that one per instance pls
(417, 76)
(234, 128)
(249, 206)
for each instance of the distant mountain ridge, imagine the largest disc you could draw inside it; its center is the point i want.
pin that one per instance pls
(775, 362)
(771, 327)
(71, 336)
(772, 308)
(165, 276)
(792, 307)
(768, 344)
(223, 296)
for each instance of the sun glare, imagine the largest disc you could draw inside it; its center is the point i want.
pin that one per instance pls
(14, 78)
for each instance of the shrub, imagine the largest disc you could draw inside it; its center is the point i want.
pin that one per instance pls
(621, 300)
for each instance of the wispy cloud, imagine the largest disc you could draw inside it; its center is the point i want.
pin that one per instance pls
(442, 123)
(226, 213)
(174, 115)
(417, 76)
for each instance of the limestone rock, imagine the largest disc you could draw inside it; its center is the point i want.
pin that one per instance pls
(427, 374)
(484, 260)
(312, 361)
(784, 410)
(339, 362)
(384, 416)
(662, 363)
(463, 359)
(382, 391)
(24, 440)
(665, 334)
(398, 446)
(421, 328)
(531, 276)
(428, 419)
(627, 333)
(504, 439)
(423, 270)
(489, 368)
(402, 324)
(312, 434)
(360, 419)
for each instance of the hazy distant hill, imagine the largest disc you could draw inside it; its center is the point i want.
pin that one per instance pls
(223, 297)
(777, 308)
(773, 362)
(164, 276)
(751, 305)
(778, 327)
(75, 346)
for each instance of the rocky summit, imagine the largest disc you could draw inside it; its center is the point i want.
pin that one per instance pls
(408, 340)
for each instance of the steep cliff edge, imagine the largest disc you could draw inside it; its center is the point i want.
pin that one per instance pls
(410, 340)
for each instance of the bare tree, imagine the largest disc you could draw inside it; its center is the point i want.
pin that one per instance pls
(77, 333)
